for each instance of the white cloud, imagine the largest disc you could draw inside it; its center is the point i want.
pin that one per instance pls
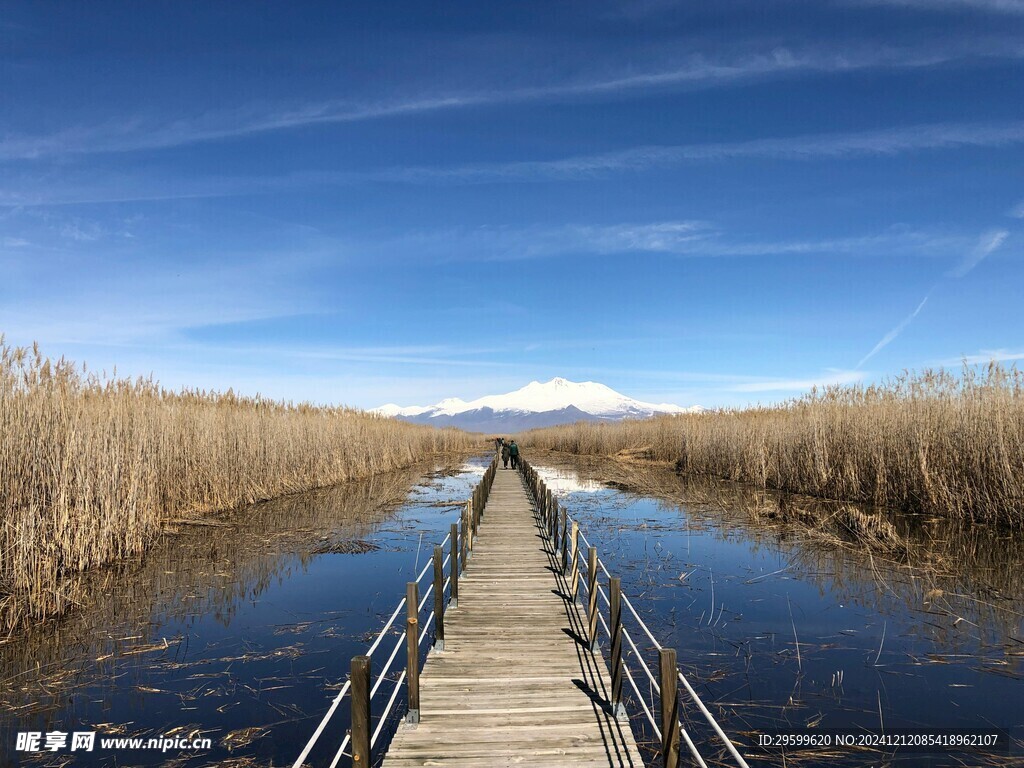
(993, 6)
(795, 385)
(985, 356)
(890, 141)
(684, 238)
(1018, 210)
(891, 335)
(989, 243)
(29, 192)
(132, 133)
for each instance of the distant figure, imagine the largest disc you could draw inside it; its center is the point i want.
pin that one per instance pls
(498, 442)
(505, 453)
(513, 452)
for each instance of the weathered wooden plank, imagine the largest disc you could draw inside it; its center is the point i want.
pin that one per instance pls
(514, 684)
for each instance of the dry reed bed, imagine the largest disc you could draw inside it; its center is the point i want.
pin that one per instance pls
(937, 442)
(91, 465)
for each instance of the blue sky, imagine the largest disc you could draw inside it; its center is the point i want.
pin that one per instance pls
(715, 203)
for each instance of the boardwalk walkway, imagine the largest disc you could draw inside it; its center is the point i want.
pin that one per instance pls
(515, 683)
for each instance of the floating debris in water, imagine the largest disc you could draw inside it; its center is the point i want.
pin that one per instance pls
(355, 547)
(243, 737)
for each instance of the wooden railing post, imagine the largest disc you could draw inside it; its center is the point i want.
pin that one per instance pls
(412, 645)
(574, 563)
(463, 546)
(563, 545)
(592, 597)
(553, 529)
(455, 554)
(438, 598)
(359, 675)
(615, 624)
(669, 708)
(469, 529)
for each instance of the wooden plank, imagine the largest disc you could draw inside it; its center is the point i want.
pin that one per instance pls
(514, 684)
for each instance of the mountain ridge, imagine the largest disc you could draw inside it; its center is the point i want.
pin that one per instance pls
(538, 404)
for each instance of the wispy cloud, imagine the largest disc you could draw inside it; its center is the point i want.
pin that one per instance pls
(44, 191)
(989, 243)
(885, 142)
(687, 238)
(891, 335)
(1018, 210)
(985, 356)
(137, 132)
(830, 378)
(993, 6)
(415, 355)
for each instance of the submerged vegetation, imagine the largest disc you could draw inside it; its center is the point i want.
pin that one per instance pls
(91, 466)
(934, 442)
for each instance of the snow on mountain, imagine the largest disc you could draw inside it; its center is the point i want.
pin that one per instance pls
(589, 396)
(396, 410)
(558, 401)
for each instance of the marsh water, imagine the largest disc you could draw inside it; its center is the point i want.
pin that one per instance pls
(786, 619)
(239, 632)
(242, 632)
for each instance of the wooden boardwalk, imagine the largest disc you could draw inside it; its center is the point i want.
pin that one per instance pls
(515, 684)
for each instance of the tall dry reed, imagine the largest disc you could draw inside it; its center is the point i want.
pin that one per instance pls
(936, 441)
(91, 465)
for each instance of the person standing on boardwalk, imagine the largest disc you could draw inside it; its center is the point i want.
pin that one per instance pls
(513, 452)
(505, 452)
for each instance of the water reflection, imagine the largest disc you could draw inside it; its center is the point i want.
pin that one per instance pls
(796, 612)
(238, 630)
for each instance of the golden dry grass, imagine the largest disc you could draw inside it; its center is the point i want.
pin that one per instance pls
(91, 465)
(938, 442)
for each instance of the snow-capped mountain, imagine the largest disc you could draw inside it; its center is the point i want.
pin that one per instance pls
(558, 401)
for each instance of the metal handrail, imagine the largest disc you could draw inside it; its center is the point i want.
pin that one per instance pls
(683, 733)
(682, 678)
(387, 709)
(538, 483)
(483, 486)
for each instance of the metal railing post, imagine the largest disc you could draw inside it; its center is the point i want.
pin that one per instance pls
(669, 708)
(592, 597)
(412, 645)
(455, 565)
(615, 625)
(359, 674)
(438, 598)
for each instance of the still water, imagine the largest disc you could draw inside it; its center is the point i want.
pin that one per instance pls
(242, 633)
(790, 626)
